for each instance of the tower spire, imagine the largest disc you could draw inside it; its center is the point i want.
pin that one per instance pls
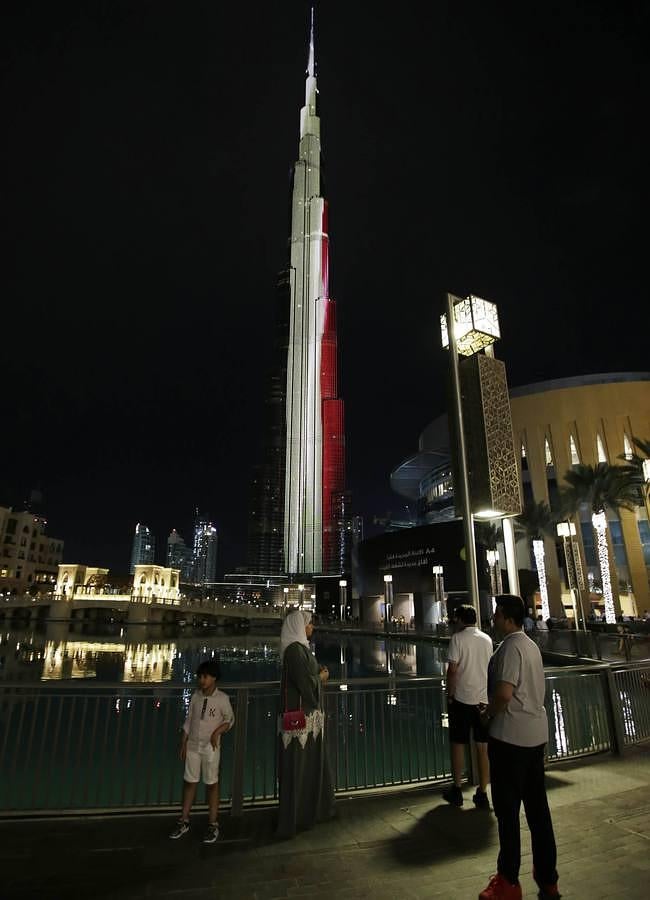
(308, 116)
(311, 61)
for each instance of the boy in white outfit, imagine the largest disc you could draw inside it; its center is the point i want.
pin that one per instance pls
(210, 715)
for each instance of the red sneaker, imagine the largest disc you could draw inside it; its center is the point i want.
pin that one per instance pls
(500, 888)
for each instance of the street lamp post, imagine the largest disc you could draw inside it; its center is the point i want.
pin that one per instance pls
(438, 591)
(343, 598)
(468, 518)
(573, 565)
(495, 572)
(388, 600)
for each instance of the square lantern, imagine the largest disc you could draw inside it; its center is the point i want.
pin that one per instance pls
(476, 325)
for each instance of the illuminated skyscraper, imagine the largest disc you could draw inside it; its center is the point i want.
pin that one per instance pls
(315, 439)
(204, 556)
(179, 555)
(144, 547)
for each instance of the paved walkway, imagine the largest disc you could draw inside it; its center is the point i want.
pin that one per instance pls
(402, 846)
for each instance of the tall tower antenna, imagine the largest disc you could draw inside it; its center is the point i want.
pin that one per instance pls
(311, 67)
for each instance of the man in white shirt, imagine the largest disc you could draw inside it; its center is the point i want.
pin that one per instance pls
(518, 732)
(467, 663)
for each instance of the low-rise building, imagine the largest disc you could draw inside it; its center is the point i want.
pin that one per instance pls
(29, 557)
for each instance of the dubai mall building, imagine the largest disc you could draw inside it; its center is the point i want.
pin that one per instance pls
(557, 424)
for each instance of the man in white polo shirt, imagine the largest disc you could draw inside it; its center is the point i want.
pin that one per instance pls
(518, 732)
(468, 657)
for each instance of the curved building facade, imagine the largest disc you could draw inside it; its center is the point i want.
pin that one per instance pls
(557, 424)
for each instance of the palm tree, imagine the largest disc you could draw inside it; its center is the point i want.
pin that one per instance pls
(602, 487)
(534, 524)
(636, 462)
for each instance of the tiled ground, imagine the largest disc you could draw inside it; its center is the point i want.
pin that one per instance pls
(399, 846)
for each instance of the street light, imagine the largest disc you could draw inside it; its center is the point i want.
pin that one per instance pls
(438, 583)
(286, 597)
(495, 572)
(388, 600)
(476, 327)
(573, 565)
(343, 598)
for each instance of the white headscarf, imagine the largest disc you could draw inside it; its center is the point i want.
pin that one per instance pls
(293, 630)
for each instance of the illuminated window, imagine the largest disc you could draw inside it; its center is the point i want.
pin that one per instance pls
(548, 456)
(628, 449)
(573, 452)
(600, 450)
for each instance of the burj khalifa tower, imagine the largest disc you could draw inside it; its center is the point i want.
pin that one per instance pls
(315, 436)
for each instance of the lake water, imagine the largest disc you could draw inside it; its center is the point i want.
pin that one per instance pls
(58, 651)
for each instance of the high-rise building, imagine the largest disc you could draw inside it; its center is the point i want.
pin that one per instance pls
(265, 554)
(315, 442)
(144, 547)
(204, 556)
(29, 558)
(179, 555)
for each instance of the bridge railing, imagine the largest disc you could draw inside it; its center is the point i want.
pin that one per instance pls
(72, 747)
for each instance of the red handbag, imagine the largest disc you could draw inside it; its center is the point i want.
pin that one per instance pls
(292, 719)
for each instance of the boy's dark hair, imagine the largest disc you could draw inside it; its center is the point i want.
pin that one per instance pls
(512, 607)
(209, 667)
(465, 614)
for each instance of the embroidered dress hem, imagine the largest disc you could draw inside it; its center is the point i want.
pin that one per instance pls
(314, 725)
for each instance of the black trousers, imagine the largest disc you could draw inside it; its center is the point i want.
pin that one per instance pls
(516, 776)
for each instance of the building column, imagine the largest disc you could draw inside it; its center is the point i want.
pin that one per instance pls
(635, 560)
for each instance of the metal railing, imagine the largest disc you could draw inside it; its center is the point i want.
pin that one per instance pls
(67, 748)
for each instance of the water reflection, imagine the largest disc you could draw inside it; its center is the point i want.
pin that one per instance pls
(56, 651)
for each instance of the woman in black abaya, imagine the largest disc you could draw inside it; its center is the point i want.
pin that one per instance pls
(306, 788)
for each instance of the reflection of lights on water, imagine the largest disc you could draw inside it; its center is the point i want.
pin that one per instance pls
(561, 742)
(444, 720)
(391, 700)
(628, 716)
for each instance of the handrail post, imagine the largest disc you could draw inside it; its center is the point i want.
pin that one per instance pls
(239, 753)
(617, 732)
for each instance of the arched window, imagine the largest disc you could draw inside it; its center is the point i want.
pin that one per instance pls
(628, 449)
(600, 450)
(573, 452)
(548, 454)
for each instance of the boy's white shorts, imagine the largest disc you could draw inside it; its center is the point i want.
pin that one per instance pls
(202, 761)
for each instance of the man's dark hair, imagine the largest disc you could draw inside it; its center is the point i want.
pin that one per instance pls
(512, 607)
(209, 667)
(465, 614)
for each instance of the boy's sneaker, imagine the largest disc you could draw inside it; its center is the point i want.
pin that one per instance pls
(480, 800)
(453, 795)
(212, 834)
(500, 888)
(181, 828)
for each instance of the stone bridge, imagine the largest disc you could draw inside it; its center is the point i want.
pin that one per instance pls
(135, 610)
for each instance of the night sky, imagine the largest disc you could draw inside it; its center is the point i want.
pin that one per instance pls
(485, 148)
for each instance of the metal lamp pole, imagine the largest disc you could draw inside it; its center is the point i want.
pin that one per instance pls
(567, 530)
(468, 518)
(343, 598)
(388, 600)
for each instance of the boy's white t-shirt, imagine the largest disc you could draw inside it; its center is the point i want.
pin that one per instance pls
(206, 713)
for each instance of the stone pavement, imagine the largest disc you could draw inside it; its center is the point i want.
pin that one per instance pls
(402, 846)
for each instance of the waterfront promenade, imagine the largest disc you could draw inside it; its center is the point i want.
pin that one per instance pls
(407, 846)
